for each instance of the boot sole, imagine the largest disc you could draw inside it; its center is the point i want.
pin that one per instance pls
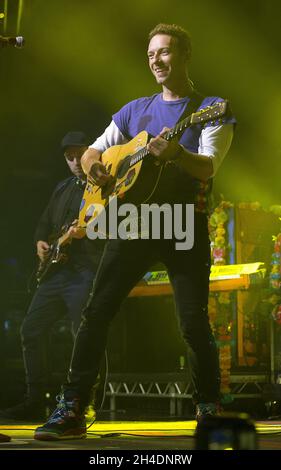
(50, 436)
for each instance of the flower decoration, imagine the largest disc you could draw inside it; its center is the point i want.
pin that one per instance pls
(219, 303)
(276, 314)
(275, 273)
(275, 276)
(275, 209)
(217, 222)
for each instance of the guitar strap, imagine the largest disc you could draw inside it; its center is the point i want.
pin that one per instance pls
(180, 183)
(192, 106)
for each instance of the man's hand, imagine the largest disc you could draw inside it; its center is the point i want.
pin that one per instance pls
(42, 249)
(74, 231)
(99, 174)
(162, 149)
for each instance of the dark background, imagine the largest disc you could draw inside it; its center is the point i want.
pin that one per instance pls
(84, 59)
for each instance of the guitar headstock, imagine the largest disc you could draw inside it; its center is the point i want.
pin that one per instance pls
(210, 113)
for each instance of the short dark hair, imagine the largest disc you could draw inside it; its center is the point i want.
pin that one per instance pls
(182, 36)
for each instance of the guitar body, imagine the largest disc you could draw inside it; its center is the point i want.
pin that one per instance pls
(134, 184)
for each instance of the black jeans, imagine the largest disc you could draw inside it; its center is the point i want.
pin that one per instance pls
(64, 293)
(122, 266)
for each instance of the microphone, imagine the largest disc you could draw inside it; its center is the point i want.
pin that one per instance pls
(17, 41)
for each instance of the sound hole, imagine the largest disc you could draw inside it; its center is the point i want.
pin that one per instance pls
(123, 167)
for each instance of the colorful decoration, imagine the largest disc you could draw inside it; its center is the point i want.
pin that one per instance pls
(276, 314)
(275, 273)
(217, 230)
(220, 303)
(219, 311)
(275, 209)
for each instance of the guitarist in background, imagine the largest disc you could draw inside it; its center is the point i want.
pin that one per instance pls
(64, 290)
(190, 164)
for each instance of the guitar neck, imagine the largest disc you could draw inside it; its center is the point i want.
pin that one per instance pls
(178, 129)
(63, 240)
(210, 113)
(66, 238)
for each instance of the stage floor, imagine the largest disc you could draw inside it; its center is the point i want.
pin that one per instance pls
(131, 435)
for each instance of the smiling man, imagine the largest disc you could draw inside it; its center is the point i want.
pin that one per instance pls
(189, 163)
(168, 58)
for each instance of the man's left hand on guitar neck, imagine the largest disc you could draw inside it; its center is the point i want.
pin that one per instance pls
(163, 149)
(198, 166)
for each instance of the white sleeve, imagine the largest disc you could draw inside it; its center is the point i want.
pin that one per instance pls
(111, 136)
(214, 142)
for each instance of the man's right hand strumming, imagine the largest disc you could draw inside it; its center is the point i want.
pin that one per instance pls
(42, 249)
(94, 168)
(99, 174)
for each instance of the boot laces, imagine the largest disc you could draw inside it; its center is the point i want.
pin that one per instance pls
(65, 409)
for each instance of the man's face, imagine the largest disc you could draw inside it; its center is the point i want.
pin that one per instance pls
(166, 61)
(73, 156)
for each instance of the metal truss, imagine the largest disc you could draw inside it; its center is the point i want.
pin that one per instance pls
(242, 386)
(174, 391)
(248, 386)
(152, 389)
